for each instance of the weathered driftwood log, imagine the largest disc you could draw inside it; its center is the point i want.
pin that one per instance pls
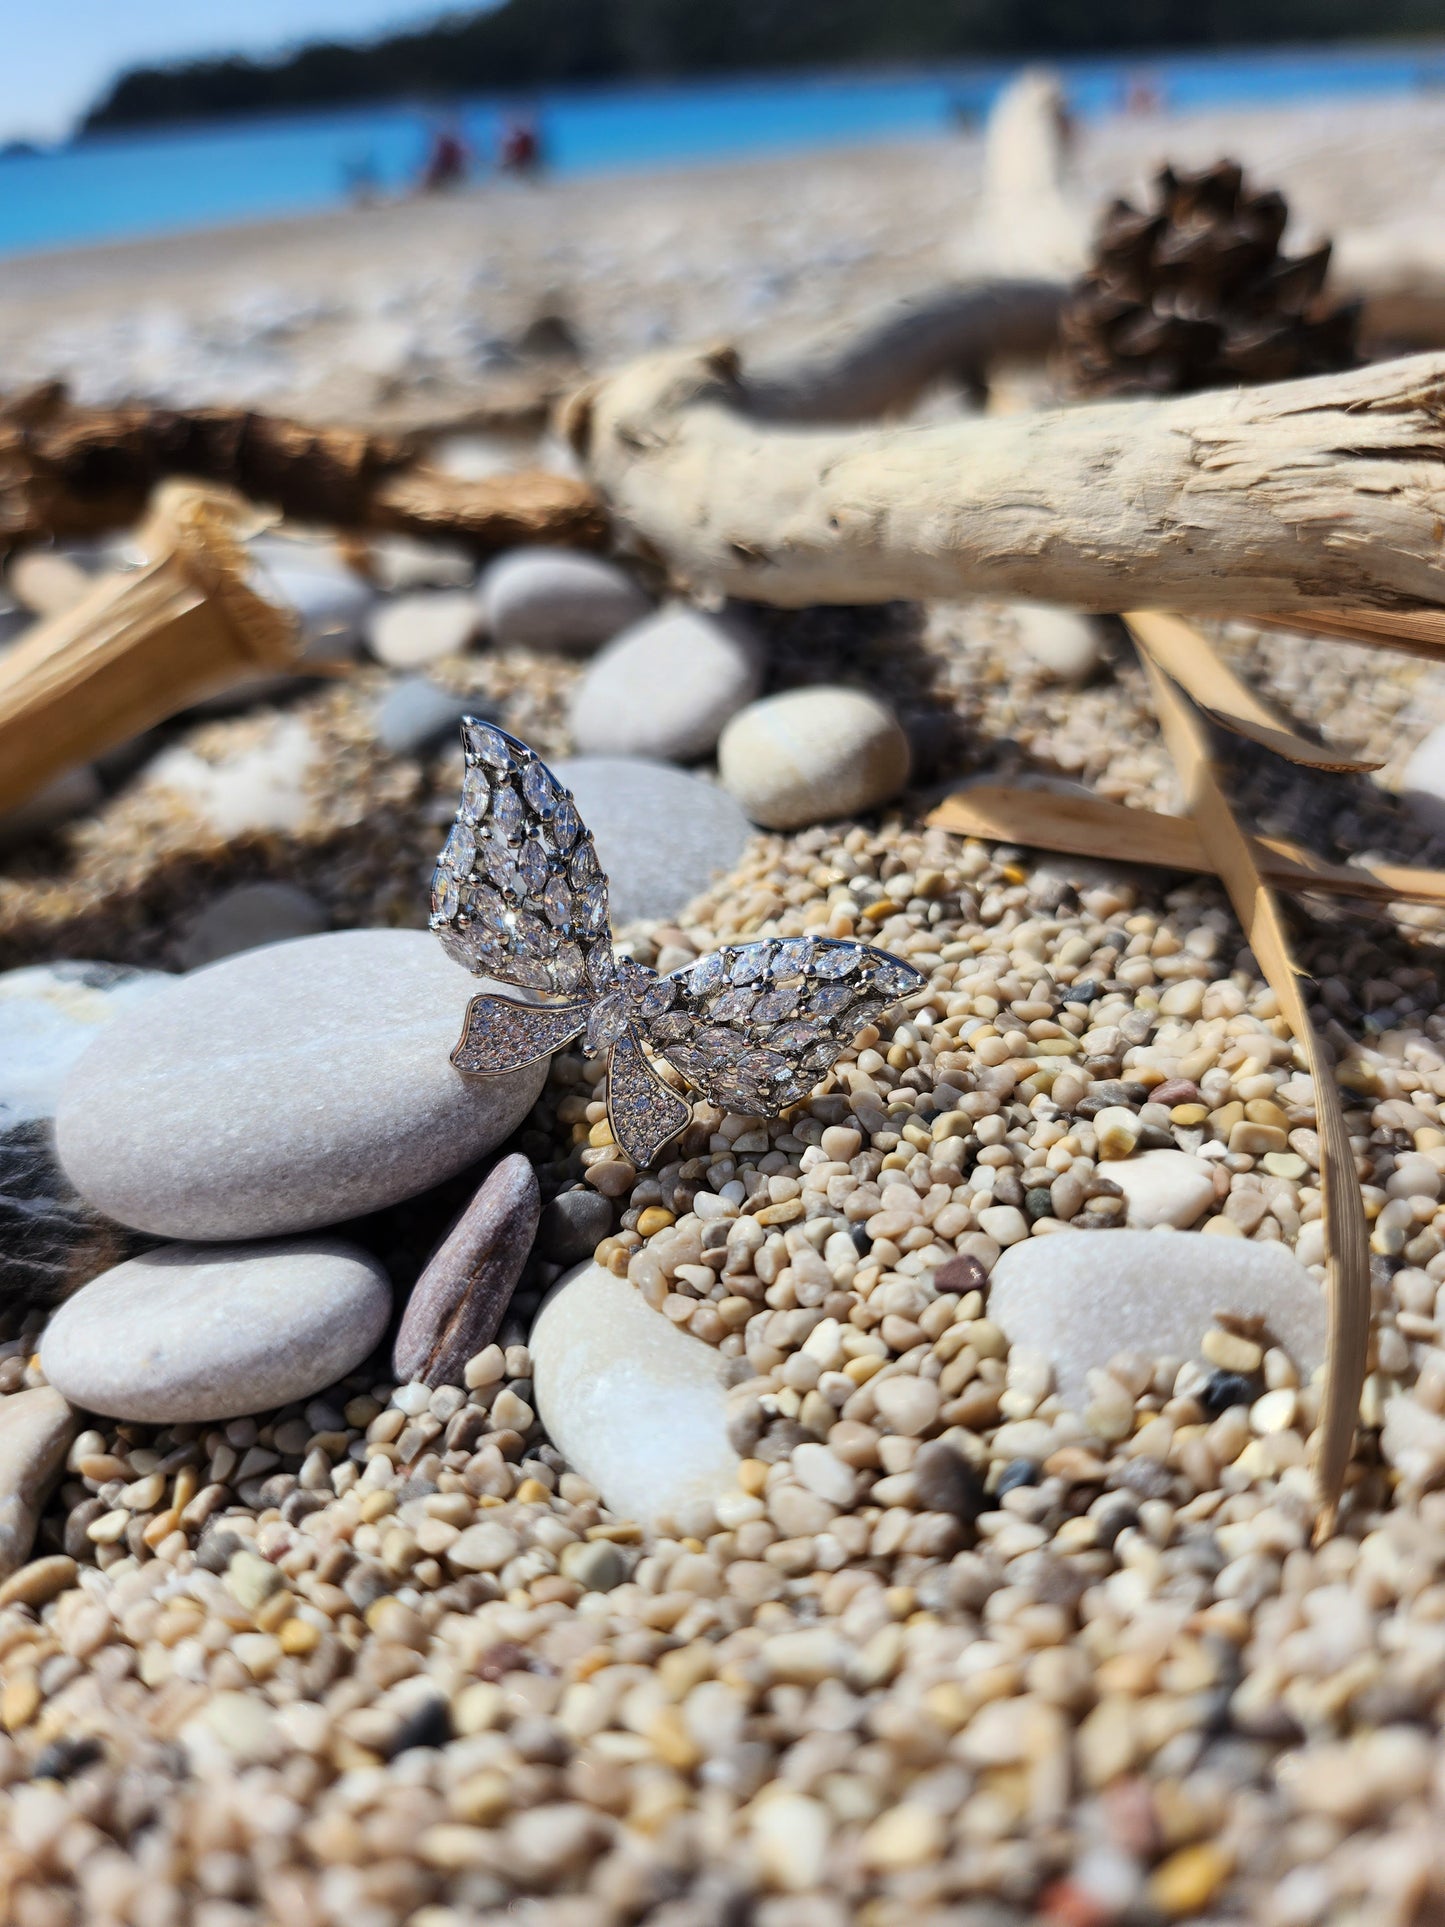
(66, 470)
(953, 334)
(1328, 491)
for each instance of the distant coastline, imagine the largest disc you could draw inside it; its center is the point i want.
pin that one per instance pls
(523, 45)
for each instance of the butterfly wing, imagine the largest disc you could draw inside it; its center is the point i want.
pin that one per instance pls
(643, 1111)
(753, 1026)
(501, 1034)
(518, 892)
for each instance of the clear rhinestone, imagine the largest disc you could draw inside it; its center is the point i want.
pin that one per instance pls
(532, 868)
(601, 967)
(793, 957)
(585, 867)
(488, 745)
(827, 1000)
(671, 1029)
(566, 825)
(444, 895)
(460, 849)
(498, 864)
(797, 1038)
(707, 974)
(840, 960)
(657, 997)
(608, 1020)
(475, 795)
(532, 934)
(732, 1006)
(779, 1001)
(508, 817)
(539, 790)
(557, 902)
(568, 969)
(592, 907)
(485, 907)
(749, 963)
(893, 975)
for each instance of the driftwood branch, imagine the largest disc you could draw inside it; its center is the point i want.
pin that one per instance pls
(1328, 491)
(953, 334)
(69, 471)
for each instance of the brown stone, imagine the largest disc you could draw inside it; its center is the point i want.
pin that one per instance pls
(460, 1298)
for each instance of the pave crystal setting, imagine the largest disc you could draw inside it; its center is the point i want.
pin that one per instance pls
(518, 894)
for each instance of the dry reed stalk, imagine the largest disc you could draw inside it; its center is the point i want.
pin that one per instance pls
(1347, 1248)
(1087, 825)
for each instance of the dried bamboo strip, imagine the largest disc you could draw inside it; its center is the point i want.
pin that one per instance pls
(1346, 1236)
(1186, 654)
(1410, 632)
(1085, 826)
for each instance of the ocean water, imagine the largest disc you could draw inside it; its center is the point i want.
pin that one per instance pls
(119, 185)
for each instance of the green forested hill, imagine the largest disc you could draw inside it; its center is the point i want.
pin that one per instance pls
(530, 43)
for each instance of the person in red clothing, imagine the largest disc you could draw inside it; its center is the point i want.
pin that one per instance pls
(448, 159)
(520, 148)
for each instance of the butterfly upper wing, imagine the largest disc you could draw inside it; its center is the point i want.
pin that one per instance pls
(753, 1026)
(518, 892)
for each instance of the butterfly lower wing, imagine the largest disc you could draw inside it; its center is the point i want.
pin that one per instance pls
(754, 1026)
(518, 893)
(502, 1034)
(643, 1111)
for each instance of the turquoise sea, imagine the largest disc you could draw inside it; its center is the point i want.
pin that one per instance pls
(113, 186)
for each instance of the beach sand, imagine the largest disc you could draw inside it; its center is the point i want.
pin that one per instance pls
(343, 314)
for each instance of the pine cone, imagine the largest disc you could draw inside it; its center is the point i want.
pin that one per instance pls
(1196, 294)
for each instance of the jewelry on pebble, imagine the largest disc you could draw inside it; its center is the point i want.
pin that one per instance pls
(518, 894)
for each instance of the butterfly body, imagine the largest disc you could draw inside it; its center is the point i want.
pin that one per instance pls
(751, 1027)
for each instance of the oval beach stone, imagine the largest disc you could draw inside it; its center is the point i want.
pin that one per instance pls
(662, 835)
(285, 1088)
(193, 1332)
(558, 599)
(633, 1404)
(666, 687)
(1080, 1297)
(810, 755)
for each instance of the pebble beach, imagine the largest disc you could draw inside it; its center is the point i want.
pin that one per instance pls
(413, 1512)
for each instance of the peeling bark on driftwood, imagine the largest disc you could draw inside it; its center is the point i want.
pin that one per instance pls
(1328, 491)
(67, 471)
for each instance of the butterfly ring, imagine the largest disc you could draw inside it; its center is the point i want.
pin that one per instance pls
(518, 894)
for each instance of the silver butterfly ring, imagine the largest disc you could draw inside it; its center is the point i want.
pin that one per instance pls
(518, 894)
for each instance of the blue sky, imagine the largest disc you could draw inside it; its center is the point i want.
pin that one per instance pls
(59, 54)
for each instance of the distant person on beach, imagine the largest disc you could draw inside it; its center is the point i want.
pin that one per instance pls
(519, 151)
(448, 160)
(1143, 96)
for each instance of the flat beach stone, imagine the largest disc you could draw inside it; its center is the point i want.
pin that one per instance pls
(50, 1239)
(287, 1088)
(416, 712)
(661, 835)
(192, 1332)
(1082, 1296)
(247, 916)
(1163, 1187)
(423, 627)
(558, 599)
(401, 562)
(666, 686)
(635, 1405)
(49, 1015)
(36, 1428)
(810, 755)
(458, 1302)
(573, 1224)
